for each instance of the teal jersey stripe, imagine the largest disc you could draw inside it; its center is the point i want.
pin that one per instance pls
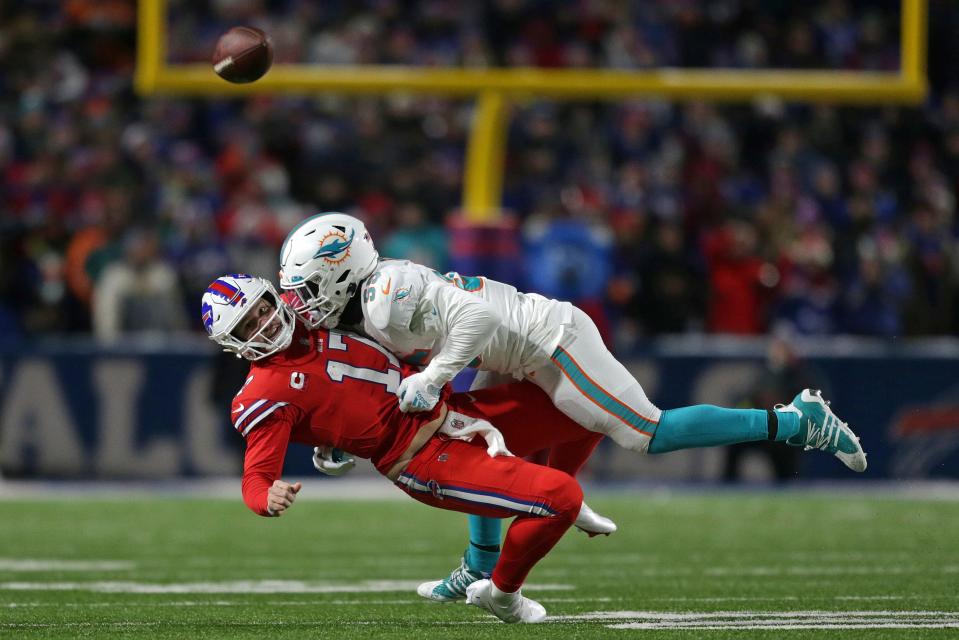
(600, 396)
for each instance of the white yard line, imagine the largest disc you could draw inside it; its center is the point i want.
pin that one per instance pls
(712, 615)
(892, 598)
(771, 620)
(46, 564)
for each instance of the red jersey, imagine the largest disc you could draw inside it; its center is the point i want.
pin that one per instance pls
(328, 388)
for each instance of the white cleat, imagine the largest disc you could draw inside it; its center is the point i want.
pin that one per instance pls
(593, 524)
(508, 607)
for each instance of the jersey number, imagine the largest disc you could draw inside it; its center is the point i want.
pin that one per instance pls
(339, 370)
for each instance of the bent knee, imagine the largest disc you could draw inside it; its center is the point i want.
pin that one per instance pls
(565, 496)
(632, 440)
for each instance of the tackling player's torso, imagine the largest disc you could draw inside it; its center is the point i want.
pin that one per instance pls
(396, 315)
(340, 388)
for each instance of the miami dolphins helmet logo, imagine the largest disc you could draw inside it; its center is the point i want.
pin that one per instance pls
(335, 246)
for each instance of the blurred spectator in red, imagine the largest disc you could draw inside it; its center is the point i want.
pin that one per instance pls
(740, 281)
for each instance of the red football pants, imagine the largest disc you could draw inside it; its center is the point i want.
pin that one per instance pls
(460, 476)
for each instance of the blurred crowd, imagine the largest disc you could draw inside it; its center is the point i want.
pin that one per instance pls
(116, 211)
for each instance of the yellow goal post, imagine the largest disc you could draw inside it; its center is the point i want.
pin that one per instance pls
(494, 89)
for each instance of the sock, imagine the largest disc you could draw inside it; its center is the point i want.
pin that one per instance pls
(483, 551)
(706, 425)
(787, 425)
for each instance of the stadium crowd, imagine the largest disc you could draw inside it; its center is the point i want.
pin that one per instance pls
(665, 217)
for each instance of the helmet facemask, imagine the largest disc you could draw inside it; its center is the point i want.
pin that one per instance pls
(317, 309)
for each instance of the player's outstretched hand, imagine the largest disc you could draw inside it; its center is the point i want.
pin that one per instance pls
(281, 495)
(417, 393)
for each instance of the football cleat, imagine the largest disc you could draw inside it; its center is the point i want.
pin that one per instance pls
(453, 588)
(819, 428)
(593, 524)
(508, 607)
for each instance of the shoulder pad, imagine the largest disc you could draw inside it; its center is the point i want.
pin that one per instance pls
(392, 294)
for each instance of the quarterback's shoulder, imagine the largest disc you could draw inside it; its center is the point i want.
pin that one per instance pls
(259, 397)
(393, 291)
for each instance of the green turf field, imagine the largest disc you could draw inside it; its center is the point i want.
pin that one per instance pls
(714, 566)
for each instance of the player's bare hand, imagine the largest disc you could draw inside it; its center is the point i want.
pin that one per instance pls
(281, 495)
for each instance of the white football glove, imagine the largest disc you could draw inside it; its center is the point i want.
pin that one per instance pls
(418, 393)
(332, 461)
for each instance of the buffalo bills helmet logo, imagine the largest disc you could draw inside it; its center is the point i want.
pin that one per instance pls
(226, 291)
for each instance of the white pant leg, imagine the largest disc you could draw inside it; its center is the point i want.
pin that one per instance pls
(589, 385)
(486, 379)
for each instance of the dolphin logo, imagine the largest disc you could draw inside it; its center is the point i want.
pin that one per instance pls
(332, 249)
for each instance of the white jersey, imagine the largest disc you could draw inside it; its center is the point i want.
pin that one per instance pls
(447, 322)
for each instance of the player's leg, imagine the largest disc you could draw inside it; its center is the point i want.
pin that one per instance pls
(513, 407)
(529, 423)
(484, 533)
(587, 383)
(483, 548)
(461, 476)
(591, 386)
(806, 422)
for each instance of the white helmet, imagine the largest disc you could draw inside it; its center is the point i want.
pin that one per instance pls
(323, 260)
(228, 299)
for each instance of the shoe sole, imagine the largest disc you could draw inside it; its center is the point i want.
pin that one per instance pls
(593, 534)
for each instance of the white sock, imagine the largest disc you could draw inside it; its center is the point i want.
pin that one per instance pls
(501, 596)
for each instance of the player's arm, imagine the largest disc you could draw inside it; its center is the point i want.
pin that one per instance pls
(468, 321)
(263, 490)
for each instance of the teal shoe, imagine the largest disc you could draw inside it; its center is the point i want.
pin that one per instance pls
(819, 428)
(453, 588)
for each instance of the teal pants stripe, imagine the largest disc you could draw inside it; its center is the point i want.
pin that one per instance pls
(600, 396)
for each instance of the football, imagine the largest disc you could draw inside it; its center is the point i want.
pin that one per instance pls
(242, 54)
